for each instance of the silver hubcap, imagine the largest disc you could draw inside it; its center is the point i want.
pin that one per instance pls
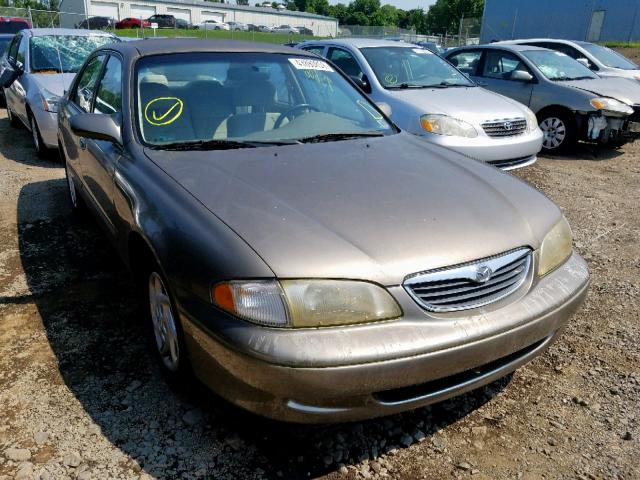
(34, 133)
(554, 131)
(164, 325)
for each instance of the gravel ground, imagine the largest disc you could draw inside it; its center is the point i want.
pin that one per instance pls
(80, 397)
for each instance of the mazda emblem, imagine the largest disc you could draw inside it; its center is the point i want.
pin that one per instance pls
(483, 274)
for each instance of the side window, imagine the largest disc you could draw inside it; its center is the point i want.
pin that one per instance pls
(315, 49)
(86, 85)
(500, 64)
(22, 50)
(345, 62)
(109, 96)
(467, 62)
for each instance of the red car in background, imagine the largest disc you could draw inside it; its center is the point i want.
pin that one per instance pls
(13, 24)
(133, 23)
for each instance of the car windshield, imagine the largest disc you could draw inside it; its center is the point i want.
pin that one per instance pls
(64, 53)
(4, 43)
(557, 66)
(223, 100)
(405, 67)
(608, 57)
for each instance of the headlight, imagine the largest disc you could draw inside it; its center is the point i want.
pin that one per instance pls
(306, 303)
(532, 120)
(556, 247)
(444, 125)
(50, 101)
(611, 105)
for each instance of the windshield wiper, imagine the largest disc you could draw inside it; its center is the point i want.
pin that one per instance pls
(219, 144)
(330, 137)
(404, 86)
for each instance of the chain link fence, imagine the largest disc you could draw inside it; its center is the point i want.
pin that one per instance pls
(468, 34)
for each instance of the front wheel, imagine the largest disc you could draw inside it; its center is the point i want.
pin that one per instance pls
(559, 132)
(167, 331)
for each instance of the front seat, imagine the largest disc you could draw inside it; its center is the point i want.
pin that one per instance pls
(255, 112)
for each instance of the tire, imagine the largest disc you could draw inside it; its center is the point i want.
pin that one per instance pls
(166, 331)
(13, 120)
(559, 131)
(41, 149)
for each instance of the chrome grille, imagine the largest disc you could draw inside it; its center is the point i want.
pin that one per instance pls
(470, 285)
(505, 128)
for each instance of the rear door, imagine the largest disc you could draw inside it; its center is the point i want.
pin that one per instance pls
(495, 71)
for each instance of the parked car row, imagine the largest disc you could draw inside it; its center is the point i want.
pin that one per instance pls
(452, 104)
(170, 21)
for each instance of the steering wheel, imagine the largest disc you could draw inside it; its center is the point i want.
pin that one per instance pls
(290, 113)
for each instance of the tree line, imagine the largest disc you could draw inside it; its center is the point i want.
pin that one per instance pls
(442, 17)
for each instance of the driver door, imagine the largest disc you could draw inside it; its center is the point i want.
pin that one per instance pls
(16, 93)
(496, 70)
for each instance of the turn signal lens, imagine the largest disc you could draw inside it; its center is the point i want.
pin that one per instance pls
(257, 301)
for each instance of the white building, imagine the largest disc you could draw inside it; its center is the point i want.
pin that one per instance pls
(194, 11)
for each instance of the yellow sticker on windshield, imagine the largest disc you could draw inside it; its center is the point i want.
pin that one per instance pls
(163, 110)
(390, 78)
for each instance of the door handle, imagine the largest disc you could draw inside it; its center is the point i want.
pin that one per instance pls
(83, 144)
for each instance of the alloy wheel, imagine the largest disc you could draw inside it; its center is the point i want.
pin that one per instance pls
(164, 324)
(554, 132)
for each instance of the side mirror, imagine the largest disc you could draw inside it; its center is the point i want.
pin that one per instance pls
(8, 75)
(97, 126)
(521, 76)
(363, 82)
(584, 62)
(385, 107)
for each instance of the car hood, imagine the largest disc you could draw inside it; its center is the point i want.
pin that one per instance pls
(623, 89)
(376, 209)
(473, 104)
(619, 72)
(56, 83)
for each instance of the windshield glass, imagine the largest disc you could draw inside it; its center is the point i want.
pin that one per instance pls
(4, 43)
(225, 99)
(557, 66)
(64, 53)
(402, 67)
(608, 57)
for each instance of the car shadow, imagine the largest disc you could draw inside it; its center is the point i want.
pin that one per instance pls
(93, 323)
(21, 142)
(588, 152)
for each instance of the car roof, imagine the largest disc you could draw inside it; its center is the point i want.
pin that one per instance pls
(514, 47)
(151, 46)
(364, 42)
(76, 32)
(556, 40)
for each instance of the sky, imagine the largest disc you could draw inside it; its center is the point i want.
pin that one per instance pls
(403, 4)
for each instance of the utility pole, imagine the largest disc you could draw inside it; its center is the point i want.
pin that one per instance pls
(460, 30)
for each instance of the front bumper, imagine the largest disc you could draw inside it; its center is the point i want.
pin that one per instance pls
(357, 372)
(491, 149)
(48, 125)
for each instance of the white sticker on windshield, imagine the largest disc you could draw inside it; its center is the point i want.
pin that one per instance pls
(422, 51)
(310, 64)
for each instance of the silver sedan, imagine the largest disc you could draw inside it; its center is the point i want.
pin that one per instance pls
(35, 71)
(428, 97)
